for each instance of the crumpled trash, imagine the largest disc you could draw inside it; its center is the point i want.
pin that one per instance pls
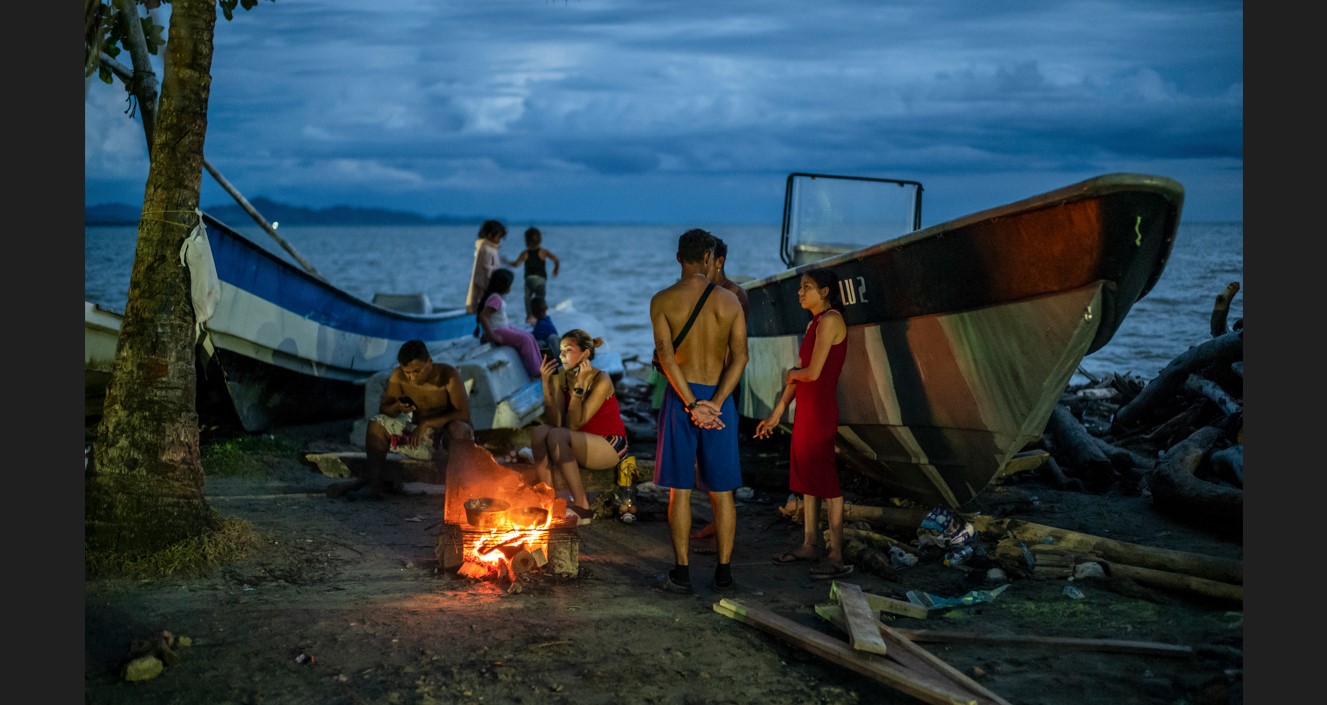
(899, 558)
(975, 597)
(944, 529)
(1073, 593)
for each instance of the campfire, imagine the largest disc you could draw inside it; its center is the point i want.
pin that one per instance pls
(497, 524)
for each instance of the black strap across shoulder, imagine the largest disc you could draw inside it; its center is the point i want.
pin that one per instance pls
(694, 312)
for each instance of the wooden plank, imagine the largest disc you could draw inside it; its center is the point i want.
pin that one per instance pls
(1119, 646)
(918, 660)
(903, 644)
(902, 608)
(877, 668)
(862, 620)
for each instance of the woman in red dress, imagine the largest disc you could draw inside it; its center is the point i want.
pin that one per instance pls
(814, 384)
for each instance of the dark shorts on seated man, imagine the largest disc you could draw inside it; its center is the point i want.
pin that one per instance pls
(690, 457)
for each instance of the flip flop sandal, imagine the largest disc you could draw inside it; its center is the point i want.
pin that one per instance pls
(789, 557)
(831, 571)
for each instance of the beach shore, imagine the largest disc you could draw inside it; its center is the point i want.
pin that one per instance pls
(345, 602)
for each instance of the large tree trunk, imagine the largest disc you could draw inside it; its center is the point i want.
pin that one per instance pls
(145, 485)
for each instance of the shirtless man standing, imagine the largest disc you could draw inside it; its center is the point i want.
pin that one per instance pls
(423, 404)
(719, 276)
(694, 442)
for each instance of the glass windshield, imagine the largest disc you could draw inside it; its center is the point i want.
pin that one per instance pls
(827, 215)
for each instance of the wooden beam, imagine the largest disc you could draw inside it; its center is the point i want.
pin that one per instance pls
(877, 668)
(1117, 646)
(863, 634)
(917, 659)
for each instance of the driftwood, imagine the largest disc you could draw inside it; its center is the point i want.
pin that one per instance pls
(1228, 464)
(879, 542)
(1125, 460)
(1211, 390)
(1074, 445)
(1059, 563)
(1176, 488)
(869, 559)
(1222, 350)
(1023, 462)
(1195, 564)
(1177, 582)
(901, 517)
(1221, 309)
(1061, 480)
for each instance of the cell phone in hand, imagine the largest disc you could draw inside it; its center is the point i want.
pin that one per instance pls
(406, 400)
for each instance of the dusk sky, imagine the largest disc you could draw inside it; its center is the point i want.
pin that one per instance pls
(695, 112)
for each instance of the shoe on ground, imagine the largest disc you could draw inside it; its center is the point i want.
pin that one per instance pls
(666, 582)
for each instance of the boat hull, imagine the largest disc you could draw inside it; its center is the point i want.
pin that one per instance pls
(962, 336)
(284, 347)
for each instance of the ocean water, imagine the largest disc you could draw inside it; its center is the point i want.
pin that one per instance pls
(611, 271)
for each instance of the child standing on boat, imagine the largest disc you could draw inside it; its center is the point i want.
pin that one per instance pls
(534, 257)
(486, 260)
(497, 328)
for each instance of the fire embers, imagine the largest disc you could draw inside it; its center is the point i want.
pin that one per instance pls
(512, 538)
(499, 525)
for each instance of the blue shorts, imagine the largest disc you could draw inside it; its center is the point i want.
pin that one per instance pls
(690, 457)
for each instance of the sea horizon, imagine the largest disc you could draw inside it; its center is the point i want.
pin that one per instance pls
(613, 284)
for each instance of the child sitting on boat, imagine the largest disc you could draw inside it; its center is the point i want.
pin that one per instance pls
(497, 328)
(545, 333)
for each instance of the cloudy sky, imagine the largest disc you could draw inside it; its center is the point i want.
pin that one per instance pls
(695, 111)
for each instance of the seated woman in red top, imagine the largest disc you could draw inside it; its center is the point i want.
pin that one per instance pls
(583, 426)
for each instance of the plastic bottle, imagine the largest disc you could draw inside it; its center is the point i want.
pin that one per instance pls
(899, 558)
(958, 555)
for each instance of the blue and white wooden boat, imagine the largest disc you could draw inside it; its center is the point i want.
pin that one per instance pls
(287, 347)
(961, 336)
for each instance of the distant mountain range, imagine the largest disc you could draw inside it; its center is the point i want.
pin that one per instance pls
(235, 216)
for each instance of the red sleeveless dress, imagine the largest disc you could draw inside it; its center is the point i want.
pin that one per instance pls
(812, 470)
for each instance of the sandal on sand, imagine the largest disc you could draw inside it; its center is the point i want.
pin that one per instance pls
(829, 570)
(583, 516)
(790, 557)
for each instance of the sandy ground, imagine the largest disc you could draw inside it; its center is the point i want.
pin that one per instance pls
(356, 588)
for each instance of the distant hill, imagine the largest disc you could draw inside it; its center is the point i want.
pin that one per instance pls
(235, 216)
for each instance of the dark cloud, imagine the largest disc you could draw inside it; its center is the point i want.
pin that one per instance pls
(696, 111)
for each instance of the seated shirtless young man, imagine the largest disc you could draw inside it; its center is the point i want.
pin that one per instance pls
(423, 406)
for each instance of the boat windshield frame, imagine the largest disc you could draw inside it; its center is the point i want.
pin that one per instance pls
(840, 208)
